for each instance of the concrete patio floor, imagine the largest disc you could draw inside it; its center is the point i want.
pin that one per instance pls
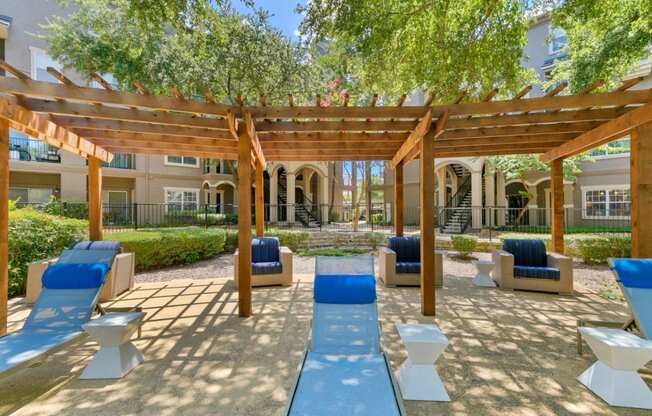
(510, 353)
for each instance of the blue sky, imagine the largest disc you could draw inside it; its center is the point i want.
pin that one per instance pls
(282, 13)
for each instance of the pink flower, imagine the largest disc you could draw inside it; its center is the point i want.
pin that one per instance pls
(325, 103)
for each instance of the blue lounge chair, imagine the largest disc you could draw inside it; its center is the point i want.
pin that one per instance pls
(70, 292)
(399, 264)
(344, 370)
(634, 277)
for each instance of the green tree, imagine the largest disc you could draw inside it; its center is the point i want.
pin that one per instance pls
(439, 46)
(208, 47)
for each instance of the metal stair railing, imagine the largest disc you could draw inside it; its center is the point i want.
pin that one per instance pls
(453, 203)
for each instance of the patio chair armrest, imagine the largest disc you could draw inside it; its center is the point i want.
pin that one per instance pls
(565, 266)
(286, 260)
(503, 272)
(386, 265)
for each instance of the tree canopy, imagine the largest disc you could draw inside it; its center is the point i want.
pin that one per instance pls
(194, 45)
(606, 39)
(439, 46)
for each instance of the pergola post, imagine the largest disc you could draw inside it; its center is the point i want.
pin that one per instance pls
(4, 223)
(557, 194)
(398, 199)
(641, 190)
(94, 199)
(260, 200)
(427, 221)
(244, 221)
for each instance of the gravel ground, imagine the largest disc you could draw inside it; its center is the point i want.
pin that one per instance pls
(589, 278)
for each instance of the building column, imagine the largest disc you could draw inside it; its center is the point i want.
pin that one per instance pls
(291, 191)
(641, 191)
(4, 224)
(244, 222)
(398, 199)
(501, 199)
(557, 196)
(324, 198)
(476, 199)
(94, 199)
(533, 207)
(273, 197)
(441, 180)
(490, 196)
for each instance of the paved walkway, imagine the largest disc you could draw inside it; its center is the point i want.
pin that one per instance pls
(510, 353)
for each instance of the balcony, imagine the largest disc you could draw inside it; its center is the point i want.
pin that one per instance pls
(26, 149)
(122, 161)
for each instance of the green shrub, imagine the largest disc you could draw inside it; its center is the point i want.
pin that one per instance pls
(374, 239)
(295, 240)
(35, 235)
(231, 241)
(379, 219)
(161, 248)
(599, 249)
(464, 244)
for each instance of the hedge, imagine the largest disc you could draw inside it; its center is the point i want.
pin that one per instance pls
(162, 248)
(464, 244)
(295, 240)
(35, 235)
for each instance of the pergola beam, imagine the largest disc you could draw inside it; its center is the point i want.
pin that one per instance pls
(86, 125)
(41, 127)
(603, 134)
(157, 137)
(505, 131)
(414, 138)
(255, 143)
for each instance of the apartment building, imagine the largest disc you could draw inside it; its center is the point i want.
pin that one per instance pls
(320, 190)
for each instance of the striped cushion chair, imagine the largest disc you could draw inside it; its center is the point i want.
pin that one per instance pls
(271, 264)
(525, 264)
(399, 264)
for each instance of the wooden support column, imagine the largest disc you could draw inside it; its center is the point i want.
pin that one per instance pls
(260, 200)
(4, 223)
(641, 191)
(398, 199)
(427, 221)
(557, 215)
(94, 199)
(244, 221)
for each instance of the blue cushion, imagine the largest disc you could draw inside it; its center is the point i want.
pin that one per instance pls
(407, 249)
(527, 252)
(265, 249)
(635, 273)
(536, 272)
(97, 245)
(266, 267)
(408, 267)
(345, 289)
(74, 276)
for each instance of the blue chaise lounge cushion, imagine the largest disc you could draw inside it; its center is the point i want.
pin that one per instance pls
(74, 276)
(634, 273)
(97, 245)
(530, 253)
(345, 289)
(537, 272)
(266, 267)
(408, 267)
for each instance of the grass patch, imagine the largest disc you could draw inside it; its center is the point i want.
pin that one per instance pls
(609, 294)
(334, 251)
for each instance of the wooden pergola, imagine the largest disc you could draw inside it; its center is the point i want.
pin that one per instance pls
(93, 123)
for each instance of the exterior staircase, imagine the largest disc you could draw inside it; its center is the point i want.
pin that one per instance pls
(302, 213)
(456, 217)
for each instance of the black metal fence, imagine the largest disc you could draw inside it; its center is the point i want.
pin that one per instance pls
(487, 221)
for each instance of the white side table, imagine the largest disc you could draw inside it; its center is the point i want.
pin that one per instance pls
(117, 355)
(614, 376)
(483, 278)
(417, 377)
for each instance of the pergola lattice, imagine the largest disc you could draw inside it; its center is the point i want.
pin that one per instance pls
(93, 123)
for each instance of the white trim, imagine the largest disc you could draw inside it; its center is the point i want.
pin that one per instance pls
(218, 183)
(183, 165)
(34, 51)
(606, 188)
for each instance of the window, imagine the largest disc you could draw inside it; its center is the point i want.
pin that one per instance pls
(40, 62)
(186, 161)
(557, 40)
(179, 199)
(30, 195)
(377, 168)
(108, 78)
(606, 202)
(617, 147)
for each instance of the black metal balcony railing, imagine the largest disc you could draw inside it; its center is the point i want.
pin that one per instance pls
(122, 161)
(32, 150)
